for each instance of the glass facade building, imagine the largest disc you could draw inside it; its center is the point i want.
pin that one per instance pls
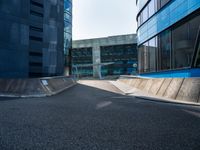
(32, 37)
(120, 52)
(168, 38)
(82, 56)
(67, 29)
(123, 56)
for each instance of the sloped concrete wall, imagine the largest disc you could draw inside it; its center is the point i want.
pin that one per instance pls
(189, 90)
(156, 86)
(164, 86)
(184, 89)
(173, 88)
(37, 87)
(57, 85)
(17, 87)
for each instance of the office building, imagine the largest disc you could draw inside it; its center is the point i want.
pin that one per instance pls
(32, 38)
(114, 55)
(67, 33)
(168, 38)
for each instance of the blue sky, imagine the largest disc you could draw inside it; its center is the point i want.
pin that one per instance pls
(100, 18)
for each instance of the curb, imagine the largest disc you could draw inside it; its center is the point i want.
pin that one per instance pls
(155, 99)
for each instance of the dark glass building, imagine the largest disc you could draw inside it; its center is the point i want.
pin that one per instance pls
(120, 50)
(81, 57)
(124, 57)
(31, 38)
(169, 38)
(67, 32)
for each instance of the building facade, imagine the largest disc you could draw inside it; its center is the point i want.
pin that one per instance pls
(168, 38)
(67, 33)
(115, 55)
(31, 38)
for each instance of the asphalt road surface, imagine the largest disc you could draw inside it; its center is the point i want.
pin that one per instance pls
(85, 117)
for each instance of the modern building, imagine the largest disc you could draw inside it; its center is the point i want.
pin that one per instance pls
(67, 33)
(169, 38)
(114, 55)
(32, 38)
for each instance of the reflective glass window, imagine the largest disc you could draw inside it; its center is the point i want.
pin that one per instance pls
(141, 18)
(152, 8)
(165, 50)
(163, 2)
(146, 57)
(141, 58)
(139, 21)
(158, 4)
(183, 39)
(152, 48)
(145, 14)
(198, 58)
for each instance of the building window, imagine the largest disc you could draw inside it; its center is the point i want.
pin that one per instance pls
(152, 7)
(198, 58)
(141, 58)
(139, 21)
(37, 4)
(163, 2)
(152, 48)
(165, 50)
(34, 13)
(147, 54)
(183, 41)
(146, 57)
(145, 14)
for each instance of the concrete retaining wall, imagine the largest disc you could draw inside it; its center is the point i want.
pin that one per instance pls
(184, 89)
(34, 87)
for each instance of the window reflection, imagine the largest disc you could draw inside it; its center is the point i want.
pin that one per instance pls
(198, 58)
(165, 50)
(184, 37)
(163, 2)
(152, 54)
(150, 9)
(141, 58)
(145, 14)
(146, 57)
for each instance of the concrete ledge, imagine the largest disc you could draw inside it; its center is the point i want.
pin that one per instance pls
(176, 89)
(38, 87)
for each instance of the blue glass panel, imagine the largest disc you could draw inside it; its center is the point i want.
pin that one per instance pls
(169, 15)
(186, 73)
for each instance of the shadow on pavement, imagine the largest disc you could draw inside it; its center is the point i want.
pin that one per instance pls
(8, 98)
